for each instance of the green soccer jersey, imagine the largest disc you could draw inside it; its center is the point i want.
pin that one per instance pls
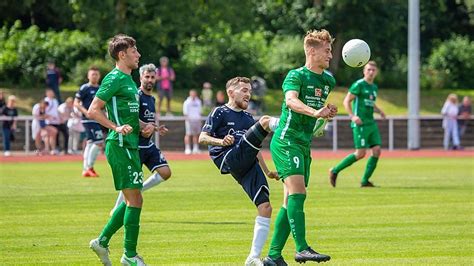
(313, 90)
(363, 104)
(120, 93)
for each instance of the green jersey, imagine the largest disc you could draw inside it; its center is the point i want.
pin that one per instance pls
(363, 104)
(120, 93)
(313, 90)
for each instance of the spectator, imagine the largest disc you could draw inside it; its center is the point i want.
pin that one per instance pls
(41, 131)
(65, 110)
(465, 111)
(165, 76)
(192, 109)
(206, 94)
(52, 116)
(75, 129)
(2, 101)
(259, 88)
(220, 98)
(450, 113)
(53, 79)
(9, 125)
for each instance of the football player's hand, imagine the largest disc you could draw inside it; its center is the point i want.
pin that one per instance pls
(323, 112)
(333, 110)
(382, 114)
(148, 130)
(273, 175)
(124, 130)
(228, 140)
(356, 120)
(162, 130)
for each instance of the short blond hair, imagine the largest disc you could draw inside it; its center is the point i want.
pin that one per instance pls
(315, 38)
(235, 81)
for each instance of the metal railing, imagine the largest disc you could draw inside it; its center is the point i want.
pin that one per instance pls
(333, 126)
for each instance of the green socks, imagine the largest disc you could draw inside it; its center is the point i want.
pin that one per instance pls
(369, 169)
(114, 224)
(346, 162)
(131, 223)
(280, 235)
(297, 221)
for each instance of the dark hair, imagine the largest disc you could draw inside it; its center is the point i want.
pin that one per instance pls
(235, 81)
(118, 43)
(94, 68)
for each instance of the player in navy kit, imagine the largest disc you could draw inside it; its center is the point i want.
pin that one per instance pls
(150, 155)
(234, 140)
(95, 137)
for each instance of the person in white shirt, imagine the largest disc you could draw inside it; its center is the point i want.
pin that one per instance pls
(53, 118)
(192, 109)
(450, 112)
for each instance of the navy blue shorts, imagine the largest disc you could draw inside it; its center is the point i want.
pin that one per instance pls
(152, 158)
(94, 132)
(241, 161)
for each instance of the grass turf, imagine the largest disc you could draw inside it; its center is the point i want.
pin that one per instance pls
(422, 214)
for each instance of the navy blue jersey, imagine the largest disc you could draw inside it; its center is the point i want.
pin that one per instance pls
(86, 94)
(147, 115)
(224, 121)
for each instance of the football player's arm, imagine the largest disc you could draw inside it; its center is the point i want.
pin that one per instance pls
(206, 139)
(347, 105)
(263, 165)
(296, 105)
(379, 111)
(78, 105)
(95, 113)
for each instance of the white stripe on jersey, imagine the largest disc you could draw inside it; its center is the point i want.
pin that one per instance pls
(114, 107)
(287, 124)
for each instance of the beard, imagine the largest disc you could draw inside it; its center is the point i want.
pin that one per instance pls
(242, 104)
(149, 86)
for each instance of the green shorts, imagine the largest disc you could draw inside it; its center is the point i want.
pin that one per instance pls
(125, 164)
(291, 159)
(366, 136)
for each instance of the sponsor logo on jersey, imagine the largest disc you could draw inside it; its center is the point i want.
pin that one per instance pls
(230, 123)
(326, 89)
(318, 92)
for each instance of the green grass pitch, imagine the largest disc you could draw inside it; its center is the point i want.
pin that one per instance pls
(422, 214)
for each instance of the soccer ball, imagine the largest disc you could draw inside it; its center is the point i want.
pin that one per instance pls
(356, 53)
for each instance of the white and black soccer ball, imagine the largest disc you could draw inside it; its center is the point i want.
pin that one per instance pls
(356, 53)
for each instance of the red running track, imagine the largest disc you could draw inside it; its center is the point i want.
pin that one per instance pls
(316, 154)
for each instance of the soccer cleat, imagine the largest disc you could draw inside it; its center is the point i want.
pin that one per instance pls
(310, 255)
(187, 151)
(368, 184)
(253, 262)
(89, 173)
(100, 251)
(332, 178)
(133, 261)
(267, 261)
(93, 171)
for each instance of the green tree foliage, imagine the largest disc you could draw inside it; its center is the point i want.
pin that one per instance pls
(219, 54)
(24, 53)
(79, 72)
(450, 64)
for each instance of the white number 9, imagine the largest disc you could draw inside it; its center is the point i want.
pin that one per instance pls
(296, 160)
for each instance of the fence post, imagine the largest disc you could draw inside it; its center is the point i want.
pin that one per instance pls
(334, 134)
(27, 136)
(390, 134)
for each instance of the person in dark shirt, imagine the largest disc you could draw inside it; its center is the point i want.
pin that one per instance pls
(53, 79)
(2, 101)
(94, 133)
(220, 98)
(234, 140)
(465, 111)
(9, 125)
